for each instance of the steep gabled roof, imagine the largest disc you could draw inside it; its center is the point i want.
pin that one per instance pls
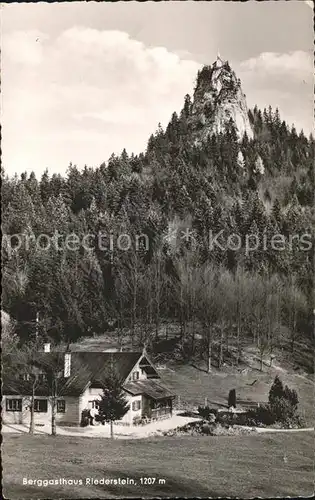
(147, 365)
(149, 387)
(121, 362)
(86, 367)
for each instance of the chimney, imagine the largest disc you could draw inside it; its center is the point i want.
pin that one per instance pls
(47, 347)
(144, 351)
(67, 365)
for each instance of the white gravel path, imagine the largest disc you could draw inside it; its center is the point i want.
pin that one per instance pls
(132, 432)
(120, 432)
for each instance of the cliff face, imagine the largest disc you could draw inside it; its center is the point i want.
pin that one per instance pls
(218, 98)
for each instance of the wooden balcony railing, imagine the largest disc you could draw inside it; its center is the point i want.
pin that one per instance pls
(161, 412)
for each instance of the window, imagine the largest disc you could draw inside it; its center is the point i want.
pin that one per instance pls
(136, 405)
(40, 405)
(135, 376)
(13, 404)
(27, 377)
(93, 404)
(61, 406)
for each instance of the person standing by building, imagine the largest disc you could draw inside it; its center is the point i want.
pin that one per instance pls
(93, 412)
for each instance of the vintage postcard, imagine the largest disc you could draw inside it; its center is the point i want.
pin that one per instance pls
(157, 249)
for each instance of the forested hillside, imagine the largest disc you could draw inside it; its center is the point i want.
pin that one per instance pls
(165, 204)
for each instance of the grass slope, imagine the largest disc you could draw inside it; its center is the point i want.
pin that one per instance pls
(248, 466)
(193, 385)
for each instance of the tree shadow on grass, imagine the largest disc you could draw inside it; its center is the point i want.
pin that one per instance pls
(200, 369)
(172, 487)
(24, 429)
(18, 491)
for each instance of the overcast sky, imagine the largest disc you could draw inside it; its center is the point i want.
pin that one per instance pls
(83, 80)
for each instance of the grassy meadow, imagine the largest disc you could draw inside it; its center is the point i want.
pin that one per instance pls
(241, 466)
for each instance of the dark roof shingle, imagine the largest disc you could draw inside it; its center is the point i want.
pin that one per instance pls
(150, 388)
(85, 367)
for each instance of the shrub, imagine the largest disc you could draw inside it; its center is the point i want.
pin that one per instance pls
(204, 411)
(188, 413)
(206, 429)
(226, 419)
(282, 409)
(260, 415)
(99, 418)
(250, 418)
(291, 396)
(137, 420)
(295, 421)
(207, 413)
(281, 412)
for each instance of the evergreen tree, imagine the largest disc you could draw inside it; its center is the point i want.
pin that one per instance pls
(113, 404)
(232, 399)
(45, 189)
(276, 390)
(177, 178)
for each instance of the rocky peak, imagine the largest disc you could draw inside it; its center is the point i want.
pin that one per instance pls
(218, 98)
